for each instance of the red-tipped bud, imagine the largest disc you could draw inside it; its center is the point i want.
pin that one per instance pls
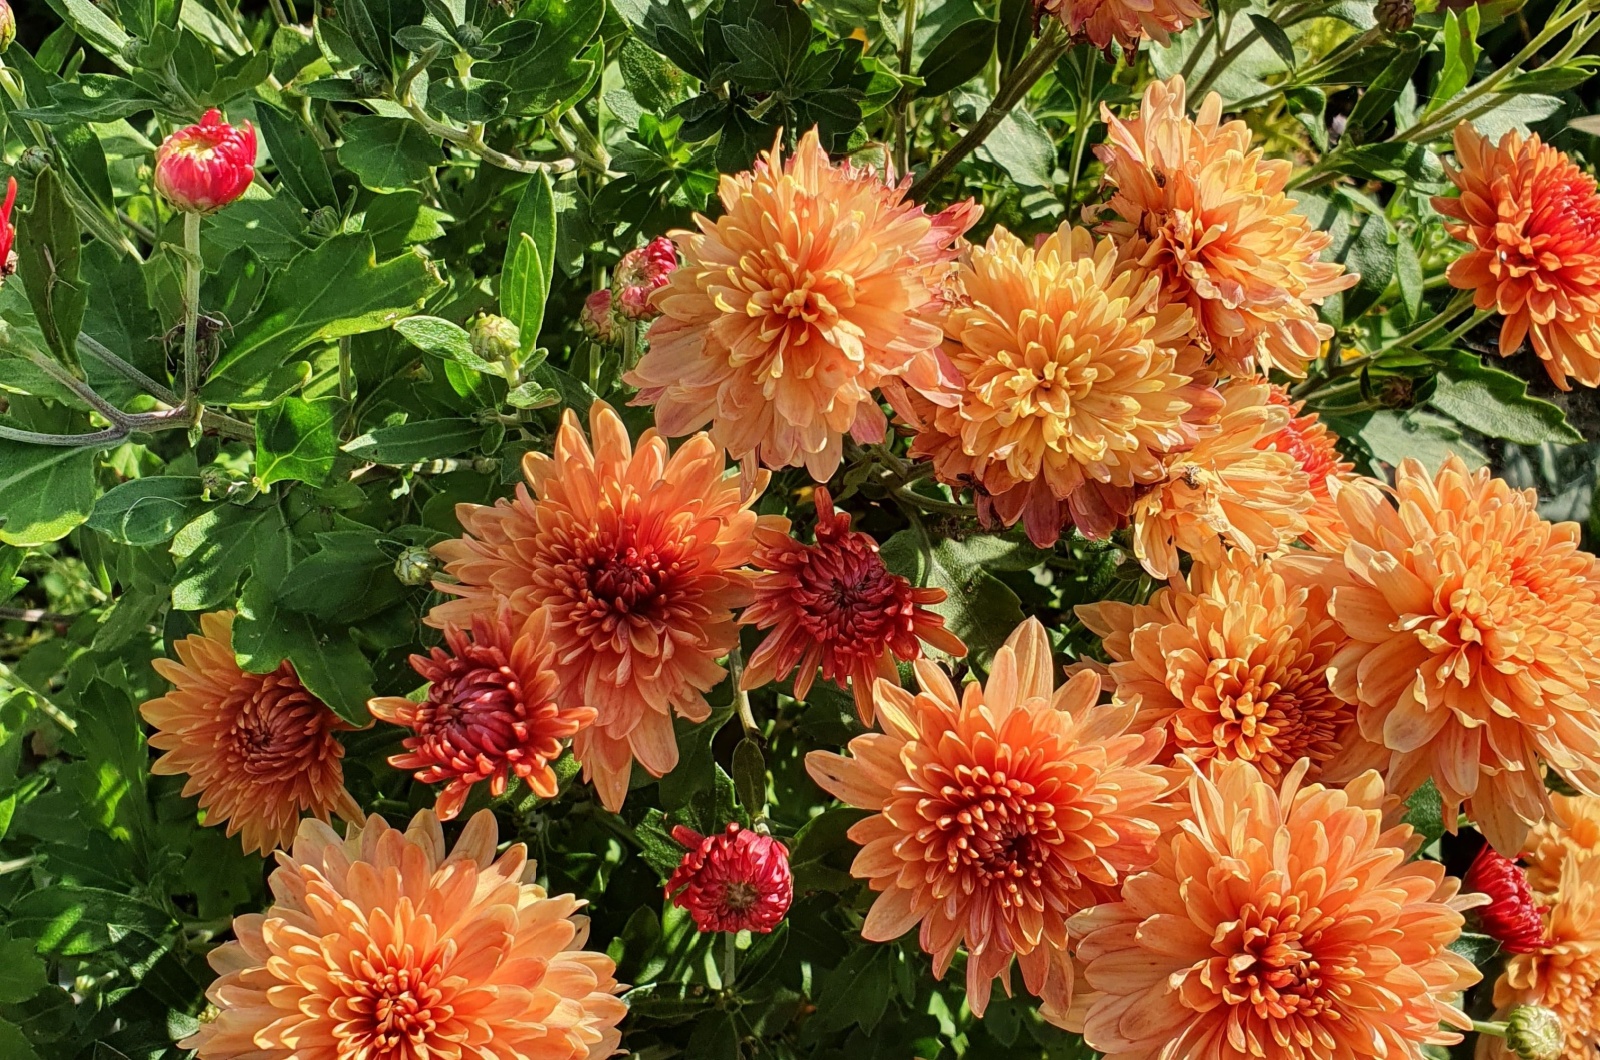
(596, 318)
(204, 167)
(640, 274)
(1511, 918)
(736, 881)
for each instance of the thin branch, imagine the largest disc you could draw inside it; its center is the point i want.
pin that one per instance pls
(33, 614)
(93, 348)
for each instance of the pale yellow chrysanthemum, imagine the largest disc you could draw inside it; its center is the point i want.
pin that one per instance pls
(794, 305)
(1074, 384)
(1200, 207)
(1230, 490)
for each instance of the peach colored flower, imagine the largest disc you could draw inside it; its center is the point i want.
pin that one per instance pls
(999, 812)
(1200, 207)
(834, 605)
(491, 711)
(635, 555)
(1474, 626)
(1287, 923)
(1073, 384)
(1532, 220)
(1563, 975)
(380, 947)
(1571, 831)
(1232, 662)
(1230, 490)
(793, 306)
(258, 749)
(1316, 449)
(1127, 22)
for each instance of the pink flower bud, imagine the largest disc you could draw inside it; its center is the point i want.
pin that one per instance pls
(596, 317)
(640, 274)
(206, 166)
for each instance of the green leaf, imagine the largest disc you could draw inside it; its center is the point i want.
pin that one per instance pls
(1496, 404)
(959, 56)
(1425, 812)
(14, 1045)
(481, 102)
(215, 549)
(95, 27)
(1408, 270)
(1380, 97)
(543, 51)
(301, 165)
(334, 670)
(1274, 35)
(1477, 948)
(412, 443)
(337, 289)
(655, 83)
(979, 608)
(70, 921)
(446, 340)
(387, 153)
(1371, 255)
(45, 491)
(48, 251)
(531, 395)
(857, 991)
(297, 440)
(349, 577)
(1392, 435)
(1024, 150)
(530, 260)
(1460, 55)
(93, 97)
(1014, 33)
(750, 776)
(21, 973)
(147, 511)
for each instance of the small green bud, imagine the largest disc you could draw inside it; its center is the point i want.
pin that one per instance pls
(133, 51)
(468, 35)
(214, 482)
(415, 566)
(485, 465)
(325, 222)
(369, 82)
(495, 338)
(8, 25)
(1395, 16)
(35, 160)
(1534, 1033)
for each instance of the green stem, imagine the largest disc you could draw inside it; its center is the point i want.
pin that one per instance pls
(1051, 45)
(741, 698)
(1080, 132)
(95, 349)
(907, 495)
(1493, 1030)
(903, 119)
(345, 374)
(191, 305)
(730, 958)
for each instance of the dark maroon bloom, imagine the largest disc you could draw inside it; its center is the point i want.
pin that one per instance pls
(1511, 918)
(736, 881)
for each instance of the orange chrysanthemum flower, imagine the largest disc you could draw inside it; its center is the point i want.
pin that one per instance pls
(1287, 924)
(1563, 974)
(1127, 22)
(1208, 213)
(834, 605)
(258, 749)
(999, 812)
(379, 947)
(491, 711)
(1474, 628)
(1232, 663)
(635, 555)
(1072, 384)
(1230, 490)
(1316, 449)
(1571, 832)
(795, 304)
(1532, 218)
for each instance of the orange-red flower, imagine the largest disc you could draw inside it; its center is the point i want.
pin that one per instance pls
(1512, 917)
(1316, 449)
(1201, 208)
(1474, 629)
(735, 880)
(1562, 974)
(381, 947)
(1073, 384)
(999, 812)
(491, 711)
(1532, 220)
(1232, 662)
(834, 605)
(1287, 923)
(1127, 22)
(1229, 491)
(635, 554)
(258, 749)
(793, 306)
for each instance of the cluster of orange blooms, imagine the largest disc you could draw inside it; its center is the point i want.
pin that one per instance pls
(1207, 866)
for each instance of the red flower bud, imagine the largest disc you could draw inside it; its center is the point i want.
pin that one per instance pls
(639, 274)
(737, 881)
(1511, 918)
(8, 231)
(205, 167)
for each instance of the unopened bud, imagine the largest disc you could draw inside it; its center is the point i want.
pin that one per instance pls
(468, 35)
(596, 319)
(325, 222)
(369, 83)
(1395, 16)
(214, 482)
(132, 51)
(35, 160)
(494, 338)
(8, 25)
(1534, 1032)
(639, 274)
(415, 566)
(205, 166)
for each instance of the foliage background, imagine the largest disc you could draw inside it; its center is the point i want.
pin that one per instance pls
(355, 435)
